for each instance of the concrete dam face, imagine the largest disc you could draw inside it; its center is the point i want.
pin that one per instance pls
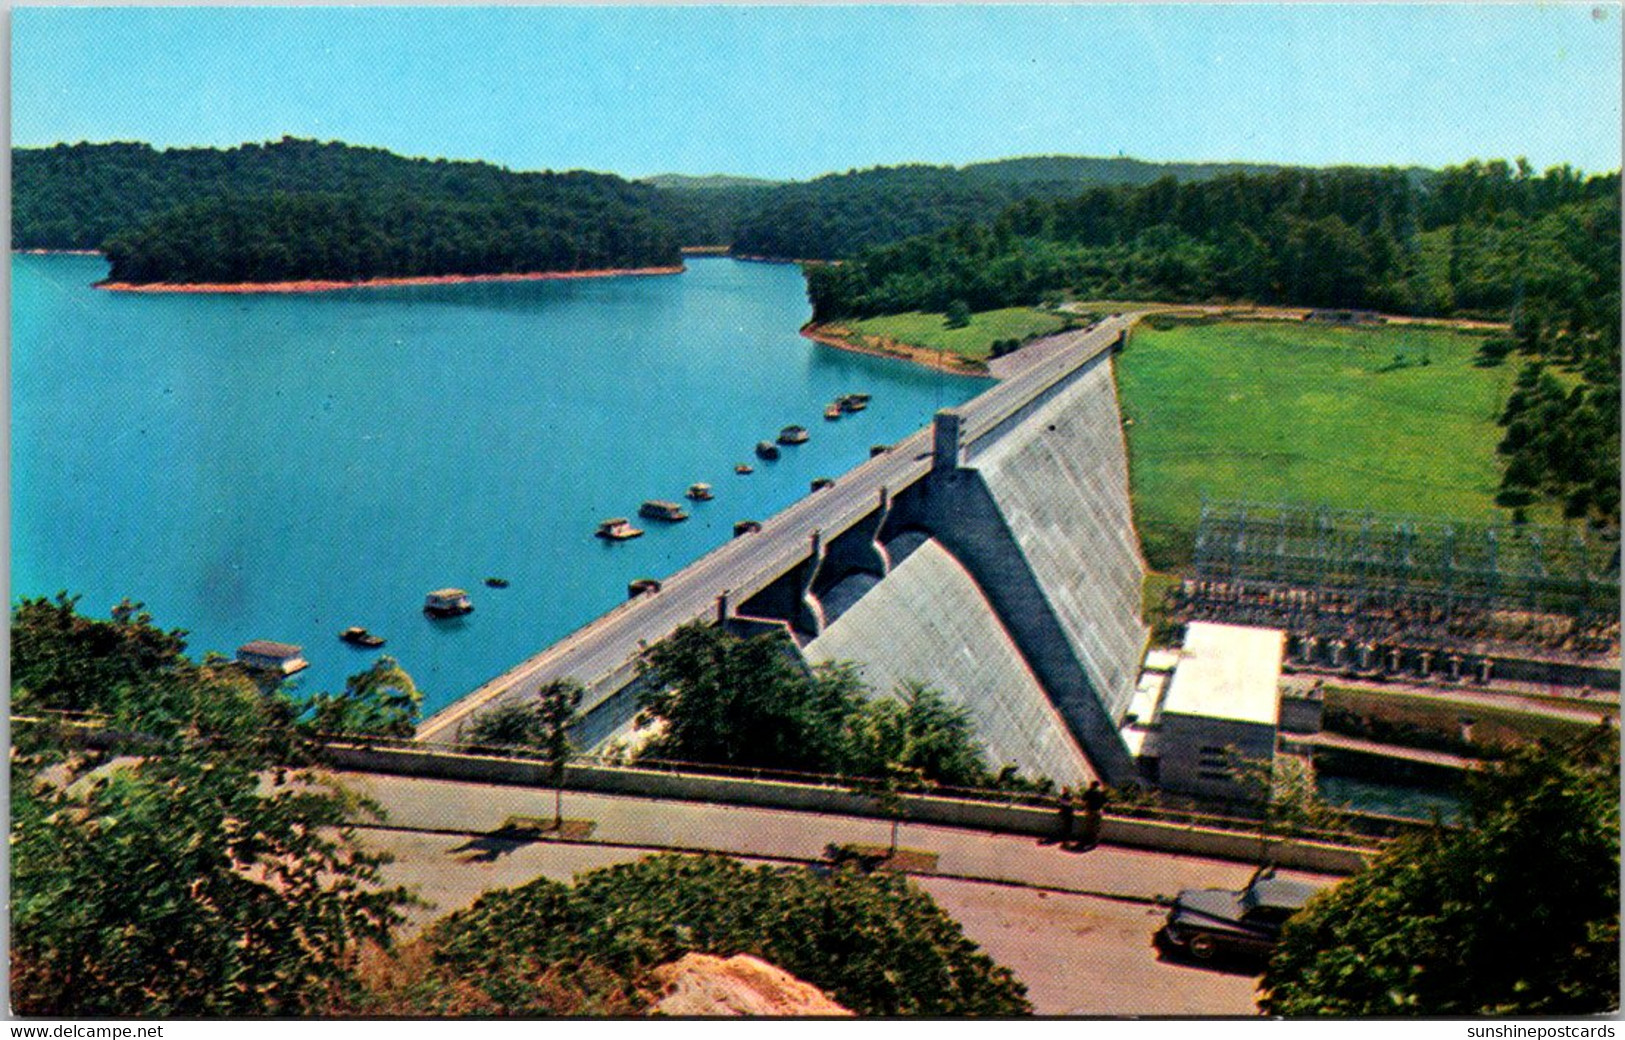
(1024, 605)
(992, 555)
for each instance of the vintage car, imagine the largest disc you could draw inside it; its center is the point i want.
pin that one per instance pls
(1205, 922)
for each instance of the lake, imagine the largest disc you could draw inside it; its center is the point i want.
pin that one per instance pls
(283, 467)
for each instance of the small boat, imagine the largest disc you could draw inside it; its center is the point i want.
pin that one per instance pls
(767, 450)
(447, 603)
(854, 402)
(744, 469)
(832, 411)
(358, 636)
(878, 449)
(660, 509)
(820, 483)
(793, 435)
(639, 586)
(700, 492)
(617, 529)
(496, 583)
(746, 527)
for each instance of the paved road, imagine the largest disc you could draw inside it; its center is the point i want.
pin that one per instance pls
(1075, 927)
(452, 807)
(745, 565)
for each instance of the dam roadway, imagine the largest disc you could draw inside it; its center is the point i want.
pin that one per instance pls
(603, 653)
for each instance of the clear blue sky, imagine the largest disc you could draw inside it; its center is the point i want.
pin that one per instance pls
(798, 91)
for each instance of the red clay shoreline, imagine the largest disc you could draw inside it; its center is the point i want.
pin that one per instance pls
(318, 285)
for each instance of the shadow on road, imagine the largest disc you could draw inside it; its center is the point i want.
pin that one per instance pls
(488, 848)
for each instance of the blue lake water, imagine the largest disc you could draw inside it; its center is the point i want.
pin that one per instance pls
(282, 467)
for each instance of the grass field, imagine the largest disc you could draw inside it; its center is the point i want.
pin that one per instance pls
(1278, 411)
(974, 341)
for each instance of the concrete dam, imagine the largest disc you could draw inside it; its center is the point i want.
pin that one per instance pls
(992, 555)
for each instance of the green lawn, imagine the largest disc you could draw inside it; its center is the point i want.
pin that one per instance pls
(1279, 411)
(974, 341)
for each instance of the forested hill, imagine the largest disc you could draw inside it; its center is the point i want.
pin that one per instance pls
(1488, 240)
(835, 215)
(82, 196)
(295, 209)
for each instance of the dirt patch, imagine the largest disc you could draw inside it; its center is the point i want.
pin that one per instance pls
(843, 338)
(319, 285)
(700, 984)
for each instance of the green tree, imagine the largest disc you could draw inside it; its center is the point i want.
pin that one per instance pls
(915, 729)
(382, 701)
(1514, 913)
(507, 725)
(556, 705)
(174, 885)
(209, 876)
(874, 943)
(957, 315)
(736, 701)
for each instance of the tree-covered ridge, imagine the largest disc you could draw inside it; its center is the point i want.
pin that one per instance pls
(296, 209)
(355, 237)
(78, 196)
(1475, 239)
(839, 214)
(1486, 240)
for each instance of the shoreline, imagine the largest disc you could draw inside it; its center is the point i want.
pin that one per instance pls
(839, 337)
(321, 285)
(58, 252)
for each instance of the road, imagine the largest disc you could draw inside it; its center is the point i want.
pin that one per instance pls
(1076, 927)
(747, 564)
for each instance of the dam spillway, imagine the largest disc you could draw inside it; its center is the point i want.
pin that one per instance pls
(1023, 493)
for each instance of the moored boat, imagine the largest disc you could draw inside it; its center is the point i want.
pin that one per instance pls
(820, 483)
(700, 492)
(355, 635)
(767, 450)
(660, 509)
(832, 411)
(746, 527)
(496, 583)
(447, 603)
(854, 402)
(640, 586)
(793, 435)
(617, 529)
(744, 469)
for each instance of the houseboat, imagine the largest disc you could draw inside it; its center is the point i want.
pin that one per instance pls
(744, 469)
(700, 492)
(793, 435)
(767, 450)
(263, 655)
(358, 636)
(447, 603)
(832, 411)
(854, 402)
(617, 529)
(659, 509)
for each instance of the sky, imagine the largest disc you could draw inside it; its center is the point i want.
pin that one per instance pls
(793, 92)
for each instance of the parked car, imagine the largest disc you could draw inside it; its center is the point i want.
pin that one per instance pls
(1205, 922)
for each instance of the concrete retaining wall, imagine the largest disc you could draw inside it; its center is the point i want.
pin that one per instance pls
(776, 794)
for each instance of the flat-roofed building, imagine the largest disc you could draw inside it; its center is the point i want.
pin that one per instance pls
(1220, 707)
(263, 655)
